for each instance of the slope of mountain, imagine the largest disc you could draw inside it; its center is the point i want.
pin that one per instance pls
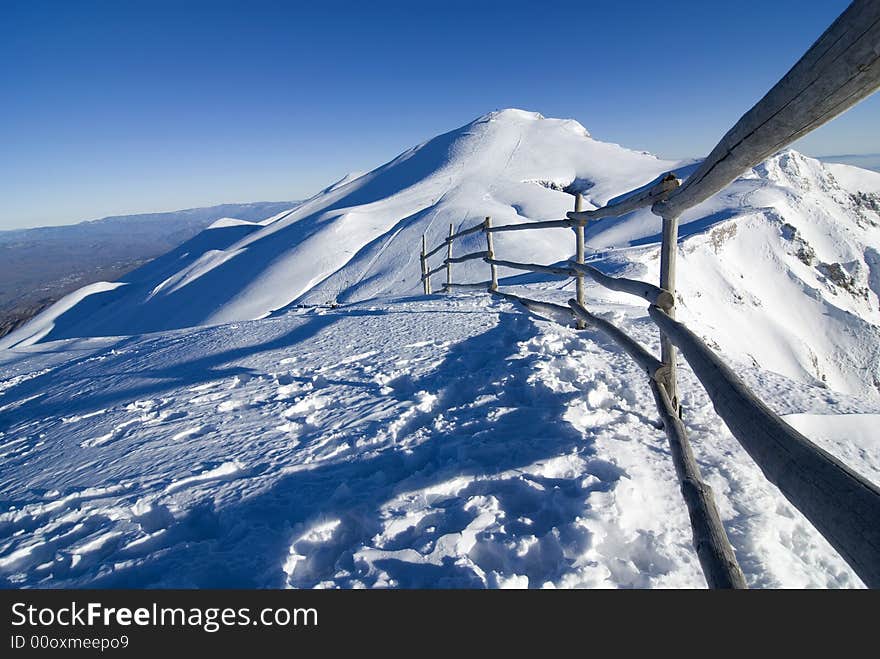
(359, 238)
(39, 266)
(791, 222)
(402, 440)
(780, 269)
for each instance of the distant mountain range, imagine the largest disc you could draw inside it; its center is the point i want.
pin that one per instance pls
(863, 160)
(40, 265)
(278, 404)
(808, 227)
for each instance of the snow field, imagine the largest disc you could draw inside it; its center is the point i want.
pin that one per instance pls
(450, 441)
(212, 420)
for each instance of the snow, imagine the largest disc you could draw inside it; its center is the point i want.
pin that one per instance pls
(812, 229)
(447, 441)
(855, 178)
(358, 238)
(44, 324)
(230, 222)
(780, 269)
(275, 404)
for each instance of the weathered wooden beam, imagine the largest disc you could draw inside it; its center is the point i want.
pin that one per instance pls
(426, 279)
(490, 255)
(445, 242)
(648, 363)
(430, 273)
(534, 267)
(467, 232)
(449, 255)
(437, 248)
(578, 218)
(717, 557)
(527, 226)
(843, 505)
(478, 286)
(653, 294)
(838, 71)
(535, 305)
(652, 195)
(467, 257)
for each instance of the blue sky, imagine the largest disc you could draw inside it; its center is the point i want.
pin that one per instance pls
(124, 107)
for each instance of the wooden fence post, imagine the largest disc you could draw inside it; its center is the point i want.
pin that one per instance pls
(426, 280)
(448, 262)
(668, 251)
(579, 255)
(843, 505)
(717, 557)
(490, 248)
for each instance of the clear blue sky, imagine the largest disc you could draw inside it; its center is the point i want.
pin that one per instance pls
(126, 106)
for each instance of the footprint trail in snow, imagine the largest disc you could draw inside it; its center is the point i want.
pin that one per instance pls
(443, 442)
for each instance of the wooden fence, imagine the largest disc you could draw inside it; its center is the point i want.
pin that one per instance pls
(840, 69)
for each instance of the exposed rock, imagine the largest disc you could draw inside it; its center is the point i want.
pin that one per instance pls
(722, 234)
(866, 204)
(838, 276)
(805, 253)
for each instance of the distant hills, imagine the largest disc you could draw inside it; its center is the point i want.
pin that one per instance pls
(863, 160)
(40, 265)
(781, 268)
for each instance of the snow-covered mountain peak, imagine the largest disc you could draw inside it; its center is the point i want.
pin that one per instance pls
(793, 169)
(398, 439)
(510, 114)
(358, 238)
(516, 115)
(805, 225)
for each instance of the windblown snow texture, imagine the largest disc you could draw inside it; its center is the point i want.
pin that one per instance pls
(199, 424)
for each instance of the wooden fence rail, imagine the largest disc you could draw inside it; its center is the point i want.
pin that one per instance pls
(468, 257)
(528, 226)
(476, 286)
(648, 362)
(841, 504)
(535, 305)
(653, 294)
(452, 237)
(640, 199)
(578, 218)
(434, 271)
(437, 249)
(467, 232)
(534, 267)
(710, 539)
(840, 69)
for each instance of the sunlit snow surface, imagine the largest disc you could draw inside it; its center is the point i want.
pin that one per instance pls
(210, 420)
(782, 267)
(415, 442)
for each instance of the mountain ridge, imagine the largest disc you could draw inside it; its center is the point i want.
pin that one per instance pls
(40, 265)
(358, 239)
(405, 440)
